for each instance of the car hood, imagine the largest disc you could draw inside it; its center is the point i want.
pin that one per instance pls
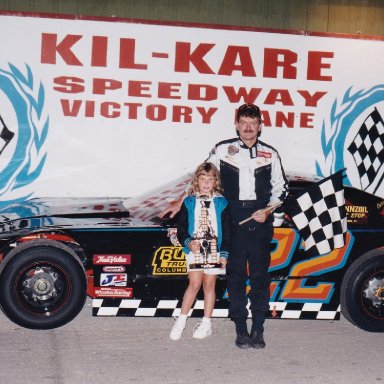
(39, 214)
(63, 207)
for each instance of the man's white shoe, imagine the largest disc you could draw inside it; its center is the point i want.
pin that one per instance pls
(177, 329)
(202, 330)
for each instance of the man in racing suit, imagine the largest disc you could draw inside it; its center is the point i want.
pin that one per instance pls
(252, 178)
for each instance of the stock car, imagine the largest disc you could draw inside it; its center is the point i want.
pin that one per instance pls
(56, 252)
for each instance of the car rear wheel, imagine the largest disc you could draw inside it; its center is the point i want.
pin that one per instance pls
(42, 285)
(362, 292)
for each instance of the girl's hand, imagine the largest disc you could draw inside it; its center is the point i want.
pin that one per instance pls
(194, 246)
(172, 209)
(223, 262)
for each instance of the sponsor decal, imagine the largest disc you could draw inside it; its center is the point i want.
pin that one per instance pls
(111, 259)
(113, 268)
(357, 213)
(114, 292)
(169, 261)
(113, 280)
(267, 155)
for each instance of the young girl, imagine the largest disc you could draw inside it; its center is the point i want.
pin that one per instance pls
(203, 230)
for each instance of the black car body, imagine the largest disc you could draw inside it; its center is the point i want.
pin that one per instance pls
(55, 252)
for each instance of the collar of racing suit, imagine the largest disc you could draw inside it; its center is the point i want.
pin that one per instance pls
(252, 150)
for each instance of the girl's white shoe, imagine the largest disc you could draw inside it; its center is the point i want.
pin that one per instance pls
(177, 329)
(202, 330)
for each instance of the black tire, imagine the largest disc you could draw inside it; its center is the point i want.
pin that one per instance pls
(43, 285)
(362, 292)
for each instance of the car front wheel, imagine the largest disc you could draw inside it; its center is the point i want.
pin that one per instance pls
(42, 285)
(362, 292)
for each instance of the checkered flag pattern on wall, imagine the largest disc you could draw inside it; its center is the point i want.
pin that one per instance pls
(367, 149)
(6, 135)
(320, 216)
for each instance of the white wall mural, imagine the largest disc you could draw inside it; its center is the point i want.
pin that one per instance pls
(113, 108)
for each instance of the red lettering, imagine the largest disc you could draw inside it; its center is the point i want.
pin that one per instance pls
(288, 120)
(311, 100)
(245, 65)
(69, 110)
(184, 57)
(127, 55)
(89, 108)
(181, 111)
(68, 84)
(99, 51)
(316, 64)
(137, 88)
(132, 109)
(167, 90)
(278, 96)
(206, 114)
(50, 47)
(156, 112)
(234, 96)
(110, 109)
(279, 58)
(266, 119)
(202, 92)
(100, 86)
(306, 120)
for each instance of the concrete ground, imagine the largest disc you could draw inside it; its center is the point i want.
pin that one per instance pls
(138, 350)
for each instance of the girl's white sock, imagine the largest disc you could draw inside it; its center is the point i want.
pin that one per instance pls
(182, 318)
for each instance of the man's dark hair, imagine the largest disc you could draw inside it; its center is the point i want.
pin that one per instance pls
(248, 110)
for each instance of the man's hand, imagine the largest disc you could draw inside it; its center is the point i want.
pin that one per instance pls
(261, 215)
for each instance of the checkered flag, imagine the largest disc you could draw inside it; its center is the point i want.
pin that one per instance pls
(367, 149)
(320, 216)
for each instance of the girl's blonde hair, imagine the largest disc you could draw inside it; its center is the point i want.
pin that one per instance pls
(205, 169)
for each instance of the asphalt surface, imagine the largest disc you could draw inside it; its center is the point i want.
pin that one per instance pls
(138, 350)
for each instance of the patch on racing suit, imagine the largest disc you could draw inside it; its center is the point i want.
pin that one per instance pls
(268, 155)
(232, 150)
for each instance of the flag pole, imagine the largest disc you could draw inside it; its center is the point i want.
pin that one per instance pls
(268, 208)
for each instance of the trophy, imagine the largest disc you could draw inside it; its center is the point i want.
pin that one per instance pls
(207, 256)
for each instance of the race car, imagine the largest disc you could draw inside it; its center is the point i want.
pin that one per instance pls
(56, 252)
